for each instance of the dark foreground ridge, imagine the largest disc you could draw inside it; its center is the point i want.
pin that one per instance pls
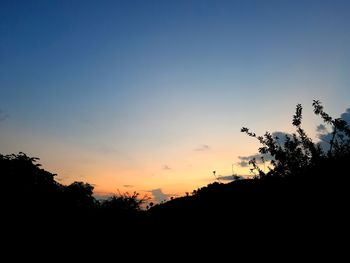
(305, 194)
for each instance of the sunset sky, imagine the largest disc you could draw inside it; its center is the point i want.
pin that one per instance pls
(150, 96)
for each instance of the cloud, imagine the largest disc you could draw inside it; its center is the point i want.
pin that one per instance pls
(101, 196)
(325, 136)
(166, 167)
(3, 116)
(128, 186)
(281, 136)
(230, 177)
(106, 149)
(158, 195)
(86, 120)
(346, 116)
(243, 163)
(321, 128)
(202, 148)
(244, 160)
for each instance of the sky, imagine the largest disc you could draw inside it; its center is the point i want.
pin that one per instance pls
(150, 96)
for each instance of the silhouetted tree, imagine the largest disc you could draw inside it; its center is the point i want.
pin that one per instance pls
(124, 203)
(304, 183)
(80, 195)
(339, 145)
(25, 184)
(299, 152)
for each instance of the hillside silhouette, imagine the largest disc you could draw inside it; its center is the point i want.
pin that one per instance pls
(304, 192)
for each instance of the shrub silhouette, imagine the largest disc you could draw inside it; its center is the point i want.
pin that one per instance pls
(80, 195)
(299, 152)
(25, 184)
(340, 141)
(304, 183)
(124, 203)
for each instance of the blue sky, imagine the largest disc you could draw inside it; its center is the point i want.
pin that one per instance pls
(113, 91)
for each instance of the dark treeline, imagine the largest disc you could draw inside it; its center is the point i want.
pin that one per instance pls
(28, 186)
(305, 185)
(304, 192)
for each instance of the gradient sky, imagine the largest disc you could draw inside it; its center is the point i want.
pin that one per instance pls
(151, 95)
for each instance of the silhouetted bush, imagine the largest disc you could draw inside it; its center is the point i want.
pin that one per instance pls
(25, 184)
(299, 152)
(80, 195)
(124, 203)
(306, 182)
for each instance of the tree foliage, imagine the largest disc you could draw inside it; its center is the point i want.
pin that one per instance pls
(27, 185)
(299, 152)
(125, 202)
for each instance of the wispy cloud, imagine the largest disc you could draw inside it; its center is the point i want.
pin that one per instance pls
(346, 116)
(3, 115)
(106, 149)
(230, 177)
(202, 148)
(321, 128)
(325, 135)
(128, 186)
(166, 167)
(158, 195)
(244, 160)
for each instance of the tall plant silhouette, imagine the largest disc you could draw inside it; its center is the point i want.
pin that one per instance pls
(299, 152)
(339, 144)
(124, 203)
